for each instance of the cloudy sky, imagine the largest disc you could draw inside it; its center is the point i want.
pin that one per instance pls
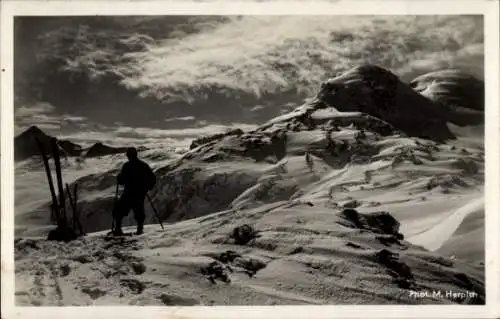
(86, 131)
(207, 74)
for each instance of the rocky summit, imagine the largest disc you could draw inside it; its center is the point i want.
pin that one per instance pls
(378, 92)
(459, 94)
(25, 144)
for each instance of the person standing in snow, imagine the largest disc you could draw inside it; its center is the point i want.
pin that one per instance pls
(138, 178)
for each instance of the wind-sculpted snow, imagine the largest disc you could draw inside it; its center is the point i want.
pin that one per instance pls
(300, 255)
(345, 195)
(460, 94)
(452, 88)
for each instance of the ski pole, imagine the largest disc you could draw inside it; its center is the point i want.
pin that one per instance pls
(154, 210)
(114, 207)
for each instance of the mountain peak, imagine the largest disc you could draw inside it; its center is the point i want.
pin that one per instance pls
(25, 144)
(33, 130)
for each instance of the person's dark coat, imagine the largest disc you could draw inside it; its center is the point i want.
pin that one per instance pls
(137, 177)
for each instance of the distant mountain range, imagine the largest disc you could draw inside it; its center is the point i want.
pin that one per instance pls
(25, 146)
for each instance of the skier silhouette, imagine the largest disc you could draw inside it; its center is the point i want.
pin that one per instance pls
(138, 178)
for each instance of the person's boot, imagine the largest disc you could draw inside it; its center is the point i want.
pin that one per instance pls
(140, 230)
(139, 218)
(118, 232)
(118, 228)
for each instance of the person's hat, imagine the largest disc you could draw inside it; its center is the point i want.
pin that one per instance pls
(131, 152)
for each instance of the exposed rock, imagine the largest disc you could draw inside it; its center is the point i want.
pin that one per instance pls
(65, 270)
(353, 216)
(25, 145)
(389, 240)
(84, 259)
(451, 88)
(251, 265)
(227, 256)
(139, 268)
(134, 285)
(24, 243)
(378, 222)
(70, 148)
(459, 94)
(100, 149)
(352, 204)
(378, 92)
(94, 293)
(207, 139)
(467, 165)
(382, 222)
(216, 270)
(173, 300)
(242, 235)
(446, 181)
(261, 146)
(400, 271)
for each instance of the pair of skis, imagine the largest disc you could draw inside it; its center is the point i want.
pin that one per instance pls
(58, 207)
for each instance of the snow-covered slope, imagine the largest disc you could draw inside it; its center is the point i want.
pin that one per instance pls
(358, 144)
(305, 255)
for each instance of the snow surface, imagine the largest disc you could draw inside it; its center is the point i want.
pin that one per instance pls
(305, 253)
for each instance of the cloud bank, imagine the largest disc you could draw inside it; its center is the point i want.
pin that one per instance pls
(266, 54)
